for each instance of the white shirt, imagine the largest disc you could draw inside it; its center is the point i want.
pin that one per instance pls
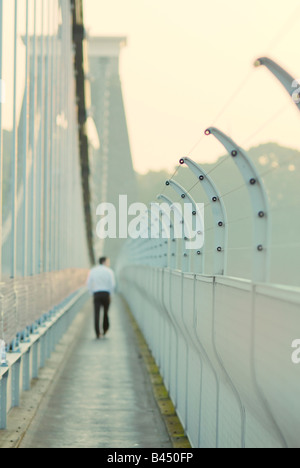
(101, 279)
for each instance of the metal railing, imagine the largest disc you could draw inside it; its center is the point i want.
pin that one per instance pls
(45, 238)
(41, 203)
(216, 318)
(23, 364)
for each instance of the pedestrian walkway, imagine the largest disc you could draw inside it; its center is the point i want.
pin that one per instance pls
(103, 397)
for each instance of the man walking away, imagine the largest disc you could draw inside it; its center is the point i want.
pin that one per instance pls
(101, 284)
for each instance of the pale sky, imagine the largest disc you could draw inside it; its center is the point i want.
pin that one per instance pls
(185, 59)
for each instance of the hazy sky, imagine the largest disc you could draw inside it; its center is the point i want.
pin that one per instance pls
(184, 61)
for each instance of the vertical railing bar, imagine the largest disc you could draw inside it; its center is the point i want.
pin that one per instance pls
(14, 162)
(40, 179)
(194, 253)
(25, 151)
(51, 177)
(1, 133)
(3, 401)
(59, 152)
(219, 215)
(259, 203)
(47, 139)
(33, 113)
(58, 137)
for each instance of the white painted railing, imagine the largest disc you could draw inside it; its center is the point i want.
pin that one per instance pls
(24, 301)
(23, 364)
(224, 349)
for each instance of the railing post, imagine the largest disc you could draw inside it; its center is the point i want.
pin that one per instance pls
(259, 200)
(197, 253)
(40, 167)
(174, 244)
(168, 227)
(219, 215)
(162, 241)
(25, 151)
(1, 135)
(3, 401)
(15, 383)
(26, 371)
(32, 138)
(14, 159)
(290, 84)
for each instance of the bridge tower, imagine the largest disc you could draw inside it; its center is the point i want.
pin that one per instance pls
(112, 172)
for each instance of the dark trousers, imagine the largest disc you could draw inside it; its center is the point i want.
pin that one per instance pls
(101, 299)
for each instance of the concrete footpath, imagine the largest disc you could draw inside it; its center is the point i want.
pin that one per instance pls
(102, 396)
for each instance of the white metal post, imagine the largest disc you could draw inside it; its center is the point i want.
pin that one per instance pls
(14, 161)
(219, 215)
(33, 115)
(1, 134)
(290, 84)
(25, 151)
(172, 240)
(191, 255)
(176, 247)
(40, 168)
(56, 155)
(52, 147)
(260, 204)
(47, 139)
(164, 228)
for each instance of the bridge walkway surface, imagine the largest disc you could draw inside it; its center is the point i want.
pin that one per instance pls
(102, 396)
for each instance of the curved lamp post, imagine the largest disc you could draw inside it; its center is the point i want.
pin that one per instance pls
(259, 202)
